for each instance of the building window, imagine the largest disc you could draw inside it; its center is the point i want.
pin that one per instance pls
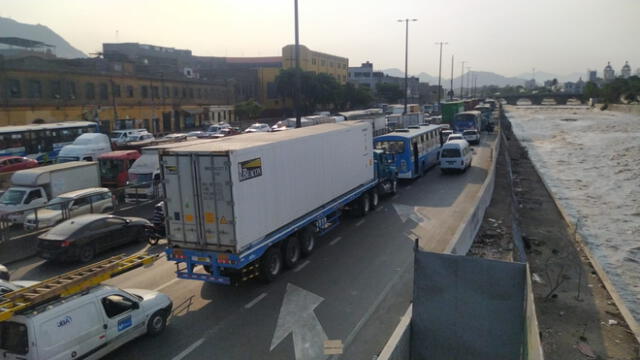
(104, 91)
(206, 93)
(313, 61)
(115, 90)
(56, 89)
(89, 91)
(155, 92)
(145, 91)
(14, 88)
(176, 92)
(70, 90)
(191, 93)
(330, 63)
(184, 93)
(130, 93)
(165, 92)
(322, 63)
(199, 93)
(34, 89)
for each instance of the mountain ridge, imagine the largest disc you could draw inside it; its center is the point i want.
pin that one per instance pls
(42, 33)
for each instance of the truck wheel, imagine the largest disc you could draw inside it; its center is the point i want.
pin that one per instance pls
(157, 323)
(291, 251)
(374, 198)
(364, 205)
(86, 253)
(271, 264)
(307, 241)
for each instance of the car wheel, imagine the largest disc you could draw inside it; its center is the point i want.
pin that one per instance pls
(271, 264)
(157, 323)
(86, 253)
(291, 251)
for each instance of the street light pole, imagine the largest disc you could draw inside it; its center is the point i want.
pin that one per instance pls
(451, 93)
(406, 61)
(296, 97)
(440, 71)
(468, 80)
(462, 81)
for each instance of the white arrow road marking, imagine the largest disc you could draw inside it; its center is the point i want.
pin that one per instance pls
(409, 212)
(297, 317)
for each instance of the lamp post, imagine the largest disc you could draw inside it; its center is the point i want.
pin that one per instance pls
(296, 97)
(406, 60)
(441, 43)
(462, 81)
(468, 81)
(451, 86)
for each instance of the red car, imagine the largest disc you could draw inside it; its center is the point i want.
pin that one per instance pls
(15, 163)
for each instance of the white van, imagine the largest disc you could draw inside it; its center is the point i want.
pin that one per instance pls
(455, 155)
(86, 147)
(84, 326)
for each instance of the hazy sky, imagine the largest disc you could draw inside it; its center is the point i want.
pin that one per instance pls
(505, 36)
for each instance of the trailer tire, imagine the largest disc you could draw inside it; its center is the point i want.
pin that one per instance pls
(364, 205)
(375, 199)
(307, 241)
(291, 251)
(271, 264)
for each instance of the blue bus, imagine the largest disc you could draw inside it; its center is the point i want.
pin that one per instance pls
(467, 120)
(42, 142)
(415, 149)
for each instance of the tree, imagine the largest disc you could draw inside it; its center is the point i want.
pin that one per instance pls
(591, 90)
(249, 109)
(389, 92)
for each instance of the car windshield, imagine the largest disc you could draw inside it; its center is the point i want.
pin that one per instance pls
(110, 168)
(13, 338)
(392, 147)
(256, 126)
(469, 132)
(454, 137)
(450, 153)
(12, 197)
(58, 203)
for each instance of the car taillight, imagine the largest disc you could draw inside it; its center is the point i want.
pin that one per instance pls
(65, 243)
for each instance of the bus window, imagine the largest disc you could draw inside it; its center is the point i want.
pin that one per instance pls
(392, 147)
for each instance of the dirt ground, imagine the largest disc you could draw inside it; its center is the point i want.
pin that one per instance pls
(576, 315)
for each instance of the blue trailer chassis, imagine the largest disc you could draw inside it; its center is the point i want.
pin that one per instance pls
(244, 265)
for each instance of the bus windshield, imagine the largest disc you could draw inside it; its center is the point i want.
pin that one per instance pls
(143, 180)
(110, 168)
(392, 147)
(12, 197)
(58, 203)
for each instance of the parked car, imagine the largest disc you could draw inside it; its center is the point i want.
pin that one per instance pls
(455, 155)
(121, 137)
(258, 127)
(472, 136)
(75, 203)
(216, 128)
(82, 237)
(15, 163)
(453, 137)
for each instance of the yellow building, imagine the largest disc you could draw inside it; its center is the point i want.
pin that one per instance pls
(36, 90)
(317, 62)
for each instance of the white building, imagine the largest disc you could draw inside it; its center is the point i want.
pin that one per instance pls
(626, 70)
(609, 73)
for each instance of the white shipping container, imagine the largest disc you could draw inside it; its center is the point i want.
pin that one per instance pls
(230, 193)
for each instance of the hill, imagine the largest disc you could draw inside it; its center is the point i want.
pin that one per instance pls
(12, 28)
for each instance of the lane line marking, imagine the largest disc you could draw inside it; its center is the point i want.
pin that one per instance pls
(335, 241)
(360, 222)
(188, 350)
(166, 284)
(299, 267)
(255, 301)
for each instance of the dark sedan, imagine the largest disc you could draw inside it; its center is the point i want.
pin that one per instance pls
(82, 237)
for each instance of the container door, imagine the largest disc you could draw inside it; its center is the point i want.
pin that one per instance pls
(181, 199)
(216, 200)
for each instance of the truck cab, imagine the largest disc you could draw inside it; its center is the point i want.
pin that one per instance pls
(385, 171)
(114, 167)
(86, 147)
(144, 178)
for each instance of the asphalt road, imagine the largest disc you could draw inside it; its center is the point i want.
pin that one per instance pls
(353, 289)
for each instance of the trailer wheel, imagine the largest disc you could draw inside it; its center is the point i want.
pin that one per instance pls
(271, 264)
(364, 205)
(307, 241)
(291, 251)
(374, 198)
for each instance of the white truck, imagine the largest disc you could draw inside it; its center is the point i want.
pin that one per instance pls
(86, 147)
(32, 188)
(245, 206)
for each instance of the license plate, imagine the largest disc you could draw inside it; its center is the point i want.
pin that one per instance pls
(200, 259)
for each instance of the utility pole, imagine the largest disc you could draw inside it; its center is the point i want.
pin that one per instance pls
(406, 61)
(475, 81)
(462, 81)
(451, 86)
(440, 71)
(469, 74)
(296, 97)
